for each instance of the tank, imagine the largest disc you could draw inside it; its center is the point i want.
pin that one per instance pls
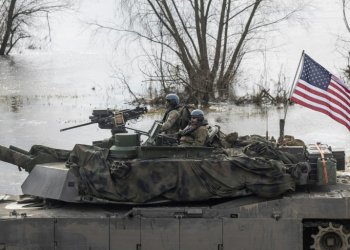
(127, 192)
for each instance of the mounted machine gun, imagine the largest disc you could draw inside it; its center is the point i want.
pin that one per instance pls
(112, 119)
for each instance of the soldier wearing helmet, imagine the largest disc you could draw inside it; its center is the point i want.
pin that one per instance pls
(196, 133)
(172, 114)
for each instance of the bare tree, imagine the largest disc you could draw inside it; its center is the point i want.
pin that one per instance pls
(17, 16)
(201, 44)
(346, 9)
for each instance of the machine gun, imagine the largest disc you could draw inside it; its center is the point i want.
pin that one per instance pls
(112, 119)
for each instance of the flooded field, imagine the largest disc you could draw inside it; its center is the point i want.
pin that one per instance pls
(41, 94)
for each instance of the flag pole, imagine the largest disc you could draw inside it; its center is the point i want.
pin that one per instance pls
(282, 121)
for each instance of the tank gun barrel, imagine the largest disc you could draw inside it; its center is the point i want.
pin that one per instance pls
(22, 151)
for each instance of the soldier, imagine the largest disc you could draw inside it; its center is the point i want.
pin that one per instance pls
(172, 114)
(196, 133)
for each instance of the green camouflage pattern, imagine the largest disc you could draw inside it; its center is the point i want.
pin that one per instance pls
(260, 168)
(171, 126)
(149, 180)
(38, 154)
(268, 150)
(198, 137)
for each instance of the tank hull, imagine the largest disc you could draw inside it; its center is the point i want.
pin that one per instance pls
(290, 222)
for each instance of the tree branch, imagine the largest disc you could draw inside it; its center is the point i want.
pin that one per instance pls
(345, 17)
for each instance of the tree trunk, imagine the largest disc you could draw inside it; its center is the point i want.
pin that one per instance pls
(9, 23)
(203, 86)
(230, 72)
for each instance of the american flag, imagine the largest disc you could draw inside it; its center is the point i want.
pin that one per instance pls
(321, 91)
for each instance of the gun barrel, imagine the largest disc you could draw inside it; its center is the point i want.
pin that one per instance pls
(22, 151)
(77, 126)
(107, 118)
(138, 131)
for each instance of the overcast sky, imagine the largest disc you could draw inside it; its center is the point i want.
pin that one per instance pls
(318, 38)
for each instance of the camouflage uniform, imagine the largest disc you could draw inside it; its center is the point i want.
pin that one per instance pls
(198, 137)
(170, 125)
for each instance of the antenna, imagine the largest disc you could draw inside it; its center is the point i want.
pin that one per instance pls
(283, 121)
(267, 121)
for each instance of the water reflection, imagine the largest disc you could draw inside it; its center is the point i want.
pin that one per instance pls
(13, 103)
(16, 103)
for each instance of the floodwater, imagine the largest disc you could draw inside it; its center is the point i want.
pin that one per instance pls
(43, 93)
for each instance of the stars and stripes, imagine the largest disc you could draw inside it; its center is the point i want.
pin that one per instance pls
(321, 91)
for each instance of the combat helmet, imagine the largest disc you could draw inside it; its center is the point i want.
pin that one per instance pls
(198, 114)
(173, 99)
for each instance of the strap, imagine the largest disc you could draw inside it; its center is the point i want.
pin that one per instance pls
(167, 112)
(325, 174)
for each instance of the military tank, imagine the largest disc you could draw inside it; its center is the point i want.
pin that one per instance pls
(122, 193)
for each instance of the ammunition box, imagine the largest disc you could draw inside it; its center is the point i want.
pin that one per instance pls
(329, 170)
(314, 156)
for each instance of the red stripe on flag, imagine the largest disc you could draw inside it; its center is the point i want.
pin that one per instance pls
(322, 103)
(341, 94)
(321, 91)
(294, 99)
(339, 82)
(320, 94)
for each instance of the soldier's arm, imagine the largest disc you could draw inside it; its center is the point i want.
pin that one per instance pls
(173, 115)
(186, 140)
(201, 137)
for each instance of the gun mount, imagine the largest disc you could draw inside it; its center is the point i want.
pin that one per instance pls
(121, 144)
(112, 119)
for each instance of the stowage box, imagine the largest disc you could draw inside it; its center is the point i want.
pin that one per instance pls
(317, 174)
(326, 173)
